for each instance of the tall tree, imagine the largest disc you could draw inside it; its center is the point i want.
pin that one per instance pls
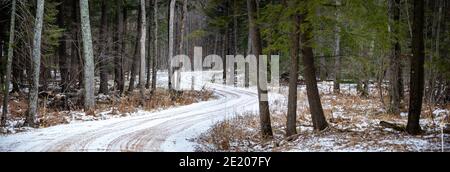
(291, 127)
(89, 66)
(149, 46)
(12, 31)
(62, 49)
(156, 55)
(119, 77)
(255, 36)
(171, 40)
(183, 25)
(104, 47)
(315, 105)
(142, 44)
(337, 51)
(136, 59)
(395, 70)
(36, 66)
(417, 69)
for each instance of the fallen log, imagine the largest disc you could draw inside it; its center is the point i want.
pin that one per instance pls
(396, 127)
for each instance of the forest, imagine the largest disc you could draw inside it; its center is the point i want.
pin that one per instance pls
(225, 75)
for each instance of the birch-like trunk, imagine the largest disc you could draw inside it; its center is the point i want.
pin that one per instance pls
(89, 66)
(171, 40)
(142, 44)
(36, 66)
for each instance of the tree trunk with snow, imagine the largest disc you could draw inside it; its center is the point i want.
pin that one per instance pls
(12, 31)
(89, 66)
(31, 119)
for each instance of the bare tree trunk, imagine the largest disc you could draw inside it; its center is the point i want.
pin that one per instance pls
(155, 58)
(142, 45)
(337, 52)
(103, 58)
(75, 52)
(266, 127)
(12, 31)
(136, 60)
(149, 46)
(394, 79)
(417, 70)
(315, 105)
(235, 27)
(142, 52)
(249, 51)
(171, 40)
(62, 52)
(89, 66)
(119, 77)
(183, 24)
(291, 126)
(31, 119)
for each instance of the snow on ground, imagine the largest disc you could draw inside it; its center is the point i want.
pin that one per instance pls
(354, 126)
(167, 130)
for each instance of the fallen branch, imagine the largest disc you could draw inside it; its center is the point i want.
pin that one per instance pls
(396, 127)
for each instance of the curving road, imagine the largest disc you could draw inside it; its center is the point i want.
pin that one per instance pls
(168, 130)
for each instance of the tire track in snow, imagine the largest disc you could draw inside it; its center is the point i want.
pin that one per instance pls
(139, 133)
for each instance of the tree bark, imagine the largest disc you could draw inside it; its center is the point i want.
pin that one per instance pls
(149, 46)
(136, 60)
(291, 126)
(315, 105)
(12, 31)
(417, 70)
(31, 119)
(62, 52)
(142, 45)
(394, 79)
(155, 57)
(104, 39)
(171, 41)
(119, 77)
(89, 66)
(337, 52)
(255, 35)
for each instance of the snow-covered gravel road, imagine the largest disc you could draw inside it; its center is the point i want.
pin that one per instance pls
(168, 130)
